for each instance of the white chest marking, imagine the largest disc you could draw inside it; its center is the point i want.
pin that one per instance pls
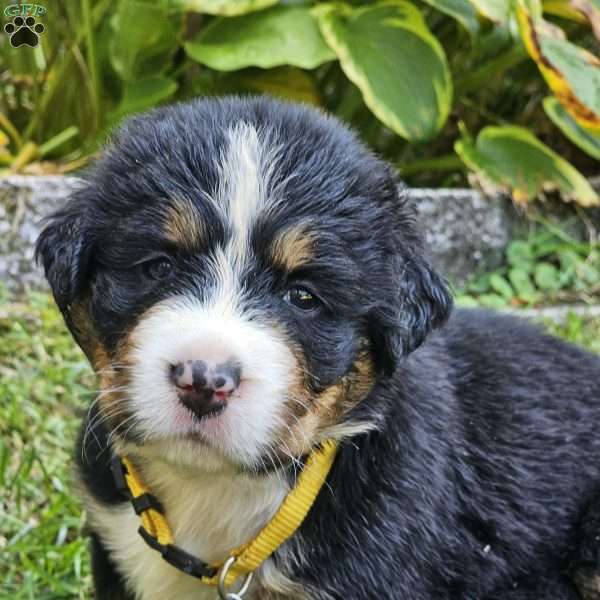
(209, 516)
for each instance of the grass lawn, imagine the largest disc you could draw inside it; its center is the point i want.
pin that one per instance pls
(45, 385)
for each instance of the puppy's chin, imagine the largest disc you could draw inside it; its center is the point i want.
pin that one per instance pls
(188, 454)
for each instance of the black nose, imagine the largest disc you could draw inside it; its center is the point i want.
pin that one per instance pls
(203, 387)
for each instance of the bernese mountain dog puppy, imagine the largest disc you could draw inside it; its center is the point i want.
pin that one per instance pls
(248, 281)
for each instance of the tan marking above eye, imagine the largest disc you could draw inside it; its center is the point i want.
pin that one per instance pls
(182, 224)
(293, 247)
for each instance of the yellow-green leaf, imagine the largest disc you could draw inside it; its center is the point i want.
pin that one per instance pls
(586, 139)
(501, 286)
(400, 68)
(547, 277)
(290, 83)
(521, 282)
(144, 49)
(576, 10)
(144, 93)
(494, 10)
(282, 35)
(512, 157)
(226, 8)
(571, 72)
(461, 10)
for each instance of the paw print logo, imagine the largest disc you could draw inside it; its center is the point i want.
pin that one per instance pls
(24, 32)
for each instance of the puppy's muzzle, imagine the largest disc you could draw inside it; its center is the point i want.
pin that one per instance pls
(204, 387)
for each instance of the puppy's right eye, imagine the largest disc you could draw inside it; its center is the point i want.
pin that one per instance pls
(157, 268)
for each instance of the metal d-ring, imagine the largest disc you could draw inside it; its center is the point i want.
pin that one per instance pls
(223, 593)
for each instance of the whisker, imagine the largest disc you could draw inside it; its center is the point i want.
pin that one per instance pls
(115, 429)
(96, 421)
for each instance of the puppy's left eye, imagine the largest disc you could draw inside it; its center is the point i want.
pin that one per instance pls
(302, 298)
(157, 268)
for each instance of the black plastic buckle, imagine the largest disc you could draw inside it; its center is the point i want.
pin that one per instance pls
(144, 502)
(151, 540)
(179, 558)
(187, 563)
(118, 471)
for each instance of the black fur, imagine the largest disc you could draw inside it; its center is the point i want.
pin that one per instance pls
(108, 583)
(474, 487)
(487, 453)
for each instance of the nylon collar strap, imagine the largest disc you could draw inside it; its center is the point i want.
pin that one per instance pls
(156, 532)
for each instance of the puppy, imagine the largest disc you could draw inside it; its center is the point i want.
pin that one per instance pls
(248, 282)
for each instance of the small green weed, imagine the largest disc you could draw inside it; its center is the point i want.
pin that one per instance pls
(546, 268)
(581, 331)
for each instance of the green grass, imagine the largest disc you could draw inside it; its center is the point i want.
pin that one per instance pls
(45, 385)
(585, 332)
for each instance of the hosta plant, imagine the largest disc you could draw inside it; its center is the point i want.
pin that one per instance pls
(505, 93)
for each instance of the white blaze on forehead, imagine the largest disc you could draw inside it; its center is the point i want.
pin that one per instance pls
(245, 173)
(224, 298)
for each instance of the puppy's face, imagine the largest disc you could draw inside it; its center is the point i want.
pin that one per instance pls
(240, 274)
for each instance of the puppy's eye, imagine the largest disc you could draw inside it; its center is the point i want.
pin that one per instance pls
(157, 268)
(302, 298)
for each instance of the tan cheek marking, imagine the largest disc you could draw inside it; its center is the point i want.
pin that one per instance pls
(182, 225)
(113, 372)
(329, 406)
(117, 375)
(86, 336)
(293, 248)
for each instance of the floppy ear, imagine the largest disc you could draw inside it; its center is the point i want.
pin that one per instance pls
(422, 303)
(425, 303)
(416, 299)
(64, 249)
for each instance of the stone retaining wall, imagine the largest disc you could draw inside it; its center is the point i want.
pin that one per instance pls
(464, 231)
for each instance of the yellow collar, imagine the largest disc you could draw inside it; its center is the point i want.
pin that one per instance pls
(241, 561)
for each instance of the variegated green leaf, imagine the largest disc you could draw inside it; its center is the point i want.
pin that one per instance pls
(281, 35)
(494, 10)
(387, 50)
(147, 48)
(576, 10)
(512, 157)
(571, 72)
(586, 139)
(226, 8)
(461, 10)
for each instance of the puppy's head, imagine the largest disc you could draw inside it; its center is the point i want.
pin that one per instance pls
(240, 273)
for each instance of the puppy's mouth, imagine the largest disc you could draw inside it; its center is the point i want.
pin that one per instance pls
(202, 404)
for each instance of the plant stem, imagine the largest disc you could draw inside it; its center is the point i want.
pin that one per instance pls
(91, 52)
(57, 140)
(6, 158)
(10, 129)
(448, 162)
(27, 154)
